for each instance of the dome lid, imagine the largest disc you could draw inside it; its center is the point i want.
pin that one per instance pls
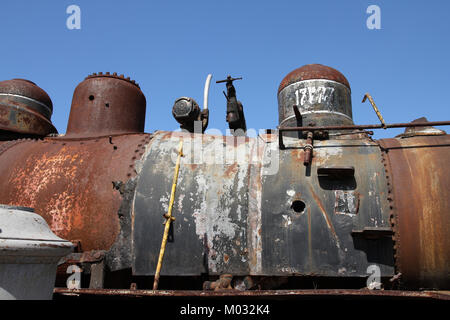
(313, 71)
(25, 108)
(26, 88)
(23, 232)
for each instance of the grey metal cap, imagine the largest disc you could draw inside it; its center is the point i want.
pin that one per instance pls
(24, 233)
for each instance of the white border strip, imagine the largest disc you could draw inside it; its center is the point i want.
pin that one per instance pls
(318, 111)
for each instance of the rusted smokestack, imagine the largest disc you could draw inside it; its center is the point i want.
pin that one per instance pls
(25, 108)
(321, 93)
(105, 104)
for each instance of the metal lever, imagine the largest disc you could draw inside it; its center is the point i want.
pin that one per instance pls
(235, 110)
(229, 78)
(298, 116)
(367, 95)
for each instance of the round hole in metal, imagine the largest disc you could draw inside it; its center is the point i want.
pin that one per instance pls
(298, 206)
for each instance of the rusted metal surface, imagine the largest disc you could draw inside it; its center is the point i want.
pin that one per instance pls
(113, 75)
(313, 71)
(308, 149)
(273, 294)
(8, 144)
(28, 89)
(84, 257)
(375, 108)
(233, 218)
(106, 104)
(247, 207)
(223, 283)
(25, 108)
(420, 185)
(316, 238)
(421, 131)
(70, 183)
(210, 231)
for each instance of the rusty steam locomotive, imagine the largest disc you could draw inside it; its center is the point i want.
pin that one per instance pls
(312, 204)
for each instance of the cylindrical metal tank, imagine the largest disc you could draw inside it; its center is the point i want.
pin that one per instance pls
(263, 213)
(29, 254)
(419, 192)
(25, 108)
(74, 184)
(77, 181)
(321, 93)
(105, 104)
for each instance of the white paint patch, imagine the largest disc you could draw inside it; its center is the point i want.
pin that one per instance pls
(331, 151)
(180, 201)
(289, 270)
(290, 193)
(287, 221)
(342, 270)
(346, 203)
(214, 217)
(164, 202)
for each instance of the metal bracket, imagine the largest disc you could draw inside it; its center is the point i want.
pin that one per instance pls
(373, 232)
(84, 257)
(97, 275)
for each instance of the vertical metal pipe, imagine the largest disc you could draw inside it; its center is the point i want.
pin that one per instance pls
(308, 149)
(168, 217)
(206, 92)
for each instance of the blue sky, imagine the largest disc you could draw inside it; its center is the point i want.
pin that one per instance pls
(169, 47)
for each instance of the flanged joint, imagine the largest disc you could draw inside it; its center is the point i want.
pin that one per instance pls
(185, 110)
(25, 108)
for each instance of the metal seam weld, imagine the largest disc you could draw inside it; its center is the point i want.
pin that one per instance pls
(48, 110)
(393, 216)
(9, 144)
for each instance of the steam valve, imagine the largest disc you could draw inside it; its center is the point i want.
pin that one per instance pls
(235, 109)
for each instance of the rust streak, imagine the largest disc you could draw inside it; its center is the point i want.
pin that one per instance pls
(309, 238)
(325, 215)
(231, 170)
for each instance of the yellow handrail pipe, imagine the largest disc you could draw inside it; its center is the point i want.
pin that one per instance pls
(168, 217)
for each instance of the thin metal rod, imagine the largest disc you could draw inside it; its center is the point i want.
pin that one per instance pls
(206, 92)
(168, 217)
(367, 95)
(285, 294)
(370, 126)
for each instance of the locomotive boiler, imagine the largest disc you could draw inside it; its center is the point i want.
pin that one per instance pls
(316, 203)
